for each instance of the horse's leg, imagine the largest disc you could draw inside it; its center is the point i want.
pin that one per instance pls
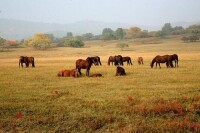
(159, 65)
(79, 70)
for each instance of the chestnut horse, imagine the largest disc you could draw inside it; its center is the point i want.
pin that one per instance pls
(68, 73)
(117, 60)
(26, 60)
(162, 59)
(127, 59)
(140, 60)
(85, 64)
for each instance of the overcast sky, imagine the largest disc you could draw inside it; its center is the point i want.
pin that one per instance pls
(143, 12)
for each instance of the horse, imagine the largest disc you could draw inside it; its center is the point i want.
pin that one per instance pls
(85, 64)
(127, 59)
(140, 60)
(120, 71)
(97, 58)
(26, 60)
(96, 75)
(175, 59)
(162, 59)
(68, 73)
(117, 60)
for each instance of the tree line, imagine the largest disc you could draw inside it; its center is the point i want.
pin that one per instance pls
(44, 41)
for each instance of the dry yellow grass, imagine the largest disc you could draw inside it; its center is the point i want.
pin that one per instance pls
(145, 100)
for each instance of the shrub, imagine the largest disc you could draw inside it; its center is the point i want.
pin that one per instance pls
(74, 42)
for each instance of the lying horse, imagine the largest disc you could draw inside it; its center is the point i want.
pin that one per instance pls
(97, 59)
(85, 64)
(96, 75)
(140, 60)
(120, 71)
(162, 59)
(26, 60)
(117, 60)
(127, 59)
(68, 73)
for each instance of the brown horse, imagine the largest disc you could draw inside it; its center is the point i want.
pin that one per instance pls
(26, 60)
(117, 60)
(97, 59)
(127, 59)
(120, 71)
(68, 73)
(85, 64)
(162, 59)
(96, 75)
(140, 60)
(175, 59)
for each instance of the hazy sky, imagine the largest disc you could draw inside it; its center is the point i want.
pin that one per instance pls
(143, 12)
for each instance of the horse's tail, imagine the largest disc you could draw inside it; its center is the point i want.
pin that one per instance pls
(109, 61)
(19, 62)
(33, 63)
(130, 61)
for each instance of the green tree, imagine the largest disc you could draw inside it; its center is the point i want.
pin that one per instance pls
(87, 36)
(39, 41)
(69, 34)
(120, 33)
(167, 29)
(108, 34)
(74, 42)
(2, 41)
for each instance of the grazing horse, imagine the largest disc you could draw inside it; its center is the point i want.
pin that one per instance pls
(68, 73)
(85, 64)
(26, 60)
(117, 60)
(162, 59)
(97, 58)
(175, 59)
(140, 60)
(127, 59)
(120, 71)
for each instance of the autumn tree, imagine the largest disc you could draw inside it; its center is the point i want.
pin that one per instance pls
(132, 32)
(39, 41)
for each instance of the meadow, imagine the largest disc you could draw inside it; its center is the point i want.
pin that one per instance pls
(145, 100)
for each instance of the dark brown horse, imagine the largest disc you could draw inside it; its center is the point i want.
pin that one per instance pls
(85, 64)
(175, 59)
(127, 59)
(26, 60)
(97, 59)
(120, 71)
(140, 60)
(117, 60)
(162, 59)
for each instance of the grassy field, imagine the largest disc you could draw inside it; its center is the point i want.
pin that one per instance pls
(145, 100)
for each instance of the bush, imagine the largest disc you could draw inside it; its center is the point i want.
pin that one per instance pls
(74, 42)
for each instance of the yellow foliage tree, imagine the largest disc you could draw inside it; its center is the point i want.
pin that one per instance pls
(39, 41)
(132, 32)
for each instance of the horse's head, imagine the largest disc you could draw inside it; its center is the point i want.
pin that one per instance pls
(151, 64)
(93, 60)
